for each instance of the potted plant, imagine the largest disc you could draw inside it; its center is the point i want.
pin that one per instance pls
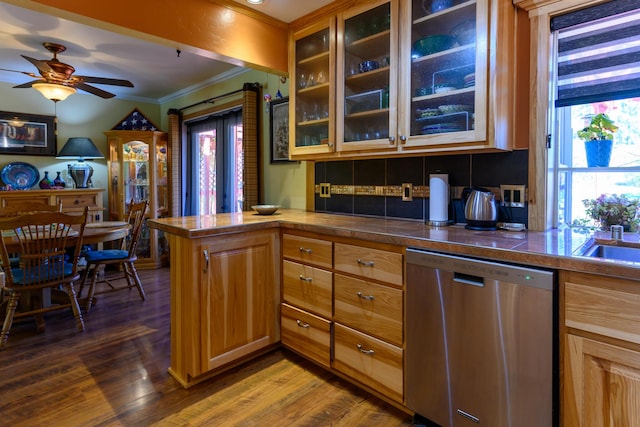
(611, 209)
(598, 140)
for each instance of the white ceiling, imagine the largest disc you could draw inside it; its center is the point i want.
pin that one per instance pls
(156, 71)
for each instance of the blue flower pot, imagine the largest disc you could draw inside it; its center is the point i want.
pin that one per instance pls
(598, 152)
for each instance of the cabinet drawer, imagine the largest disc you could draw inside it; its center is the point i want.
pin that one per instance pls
(307, 287)
(308, 250)
(369, 263)
(307, 334)
(612, 310)
(371, 361)
(370, 307)
(78, 201)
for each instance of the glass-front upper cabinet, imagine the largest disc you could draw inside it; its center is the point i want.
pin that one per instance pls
(447, 75)
(312, 108)
(367, 76)
(138, 171)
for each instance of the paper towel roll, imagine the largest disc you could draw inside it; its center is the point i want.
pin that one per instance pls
(438, 197)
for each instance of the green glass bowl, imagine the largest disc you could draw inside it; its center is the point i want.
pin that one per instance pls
(432, 44)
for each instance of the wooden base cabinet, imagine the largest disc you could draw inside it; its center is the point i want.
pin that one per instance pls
(344, 308)
(224, 301)
(601, 350)
(73, 200)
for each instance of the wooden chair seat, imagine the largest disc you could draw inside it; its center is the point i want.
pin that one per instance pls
(125, 258)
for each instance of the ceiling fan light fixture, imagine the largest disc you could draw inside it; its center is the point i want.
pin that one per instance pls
(54, 92)
(255, 1)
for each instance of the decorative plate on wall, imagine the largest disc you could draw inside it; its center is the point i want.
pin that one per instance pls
(20, 175)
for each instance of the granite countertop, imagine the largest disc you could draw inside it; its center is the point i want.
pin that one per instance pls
(557, 249)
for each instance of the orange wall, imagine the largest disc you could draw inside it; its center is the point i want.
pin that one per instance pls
(204, 26)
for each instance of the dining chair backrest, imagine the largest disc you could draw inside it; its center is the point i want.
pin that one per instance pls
(43, 240)
(135, 218)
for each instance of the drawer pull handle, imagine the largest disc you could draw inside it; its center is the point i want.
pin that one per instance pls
(366, 297)
(366, 263)
(205, 254)
(365, 351)
(302, 324)
(305, 250)
(306, 279)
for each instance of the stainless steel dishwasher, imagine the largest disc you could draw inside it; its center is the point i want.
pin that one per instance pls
(480, 342)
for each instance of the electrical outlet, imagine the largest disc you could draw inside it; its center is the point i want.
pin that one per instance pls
(513, 195)
(325, 190)
(407, 192)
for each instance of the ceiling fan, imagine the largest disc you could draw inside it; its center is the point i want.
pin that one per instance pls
(56, 80)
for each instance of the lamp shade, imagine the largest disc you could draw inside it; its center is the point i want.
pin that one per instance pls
(54, 92)
(79, 148)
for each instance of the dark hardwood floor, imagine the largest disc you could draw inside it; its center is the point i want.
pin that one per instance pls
(115, 374)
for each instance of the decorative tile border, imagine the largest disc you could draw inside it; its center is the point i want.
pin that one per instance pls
(419, 191)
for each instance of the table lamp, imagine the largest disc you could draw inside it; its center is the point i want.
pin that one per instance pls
(80, 148)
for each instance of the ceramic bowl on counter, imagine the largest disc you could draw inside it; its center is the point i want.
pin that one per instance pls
(265, 209)
(432, 44)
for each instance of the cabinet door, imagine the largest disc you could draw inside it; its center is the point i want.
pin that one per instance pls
(367, 55)
(602, 384)
(239, 297)
(312, 109)
(444, 89)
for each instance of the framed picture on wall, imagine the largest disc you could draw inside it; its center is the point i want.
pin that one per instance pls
(27, 134)
(279, 130)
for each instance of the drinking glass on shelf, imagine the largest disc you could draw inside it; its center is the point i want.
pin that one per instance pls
(311, 81)
(302, 81)
(322, 78)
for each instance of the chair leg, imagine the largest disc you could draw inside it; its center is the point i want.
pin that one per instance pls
(75, 307)
(92, 287)
(83, 279)
(131, 271)
(8, 320)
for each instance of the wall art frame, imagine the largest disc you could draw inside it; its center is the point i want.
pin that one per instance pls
(28, 134)
(279, 130)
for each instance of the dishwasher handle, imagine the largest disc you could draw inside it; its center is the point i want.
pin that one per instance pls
(468, 279)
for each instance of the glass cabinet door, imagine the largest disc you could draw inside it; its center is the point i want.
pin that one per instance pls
(161, 182)
(448, 45)
(135, 172)
(367, 77)
(312, 108)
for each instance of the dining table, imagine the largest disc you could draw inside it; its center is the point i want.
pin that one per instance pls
(95, 233)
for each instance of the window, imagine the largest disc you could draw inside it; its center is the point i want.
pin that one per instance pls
(597, 57)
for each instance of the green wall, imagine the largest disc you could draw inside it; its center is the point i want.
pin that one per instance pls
(88, 115)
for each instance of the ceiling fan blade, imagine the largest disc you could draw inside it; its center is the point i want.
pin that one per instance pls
(104, 81)
(28, 84)
(42, 66)
(94, 90)
(21, 72)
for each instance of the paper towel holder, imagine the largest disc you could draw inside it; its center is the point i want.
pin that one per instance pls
(441, 221)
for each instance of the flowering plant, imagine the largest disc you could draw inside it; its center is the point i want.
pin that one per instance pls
(611, 209)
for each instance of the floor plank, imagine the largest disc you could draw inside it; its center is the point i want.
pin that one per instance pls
(115, 374)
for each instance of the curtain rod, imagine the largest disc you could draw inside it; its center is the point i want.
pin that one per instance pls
(247, 86)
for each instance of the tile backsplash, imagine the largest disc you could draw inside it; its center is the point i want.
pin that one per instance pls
(375, 187)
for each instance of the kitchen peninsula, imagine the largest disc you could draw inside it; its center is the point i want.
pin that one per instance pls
(227, 275)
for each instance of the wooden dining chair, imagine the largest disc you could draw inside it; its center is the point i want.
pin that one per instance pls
(42, 240)
(125, 258)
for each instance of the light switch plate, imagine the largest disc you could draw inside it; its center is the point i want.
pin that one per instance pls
(407, 192)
